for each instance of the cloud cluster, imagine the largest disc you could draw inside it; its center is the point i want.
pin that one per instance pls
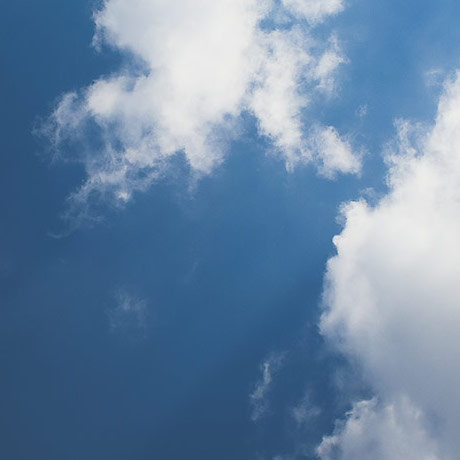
(193, 68)
(393, 299)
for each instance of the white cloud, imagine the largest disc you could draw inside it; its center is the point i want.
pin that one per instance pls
(258, 398)
(314, 10)
(333, 153)
(195, 67)
(392, 295)
(372, 432)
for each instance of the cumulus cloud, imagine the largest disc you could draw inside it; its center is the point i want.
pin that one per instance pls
(194, 67)
(258, 398)
(392, 298)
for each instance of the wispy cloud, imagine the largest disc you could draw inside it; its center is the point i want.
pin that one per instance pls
(192, 69)
(305, 411)
(259, 397)
(392, 299)
(128, 315)
(314, 10)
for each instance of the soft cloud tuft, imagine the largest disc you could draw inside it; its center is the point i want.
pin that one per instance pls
(194, 68)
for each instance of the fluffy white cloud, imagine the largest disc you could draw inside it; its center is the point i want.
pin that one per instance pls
(195, 67)
(392, 297)
(258, 398)
(371, 432)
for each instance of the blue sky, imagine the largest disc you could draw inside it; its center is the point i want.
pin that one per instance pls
(170, 288)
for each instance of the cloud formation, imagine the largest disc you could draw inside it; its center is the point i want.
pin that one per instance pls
(193, 68)
(375, 432)
(258, 398)
(392, 299)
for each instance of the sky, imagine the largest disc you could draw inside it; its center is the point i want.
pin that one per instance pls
(229, 229)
